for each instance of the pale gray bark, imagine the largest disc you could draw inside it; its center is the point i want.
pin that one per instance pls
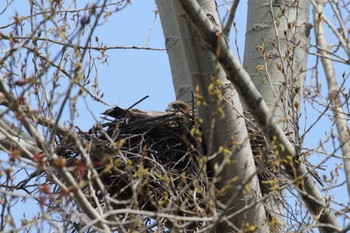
(202, 66)
(333, 89)
(311, 195)
(275, 57)
(179, 72)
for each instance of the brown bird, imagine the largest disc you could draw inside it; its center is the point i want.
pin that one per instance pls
(178, 106)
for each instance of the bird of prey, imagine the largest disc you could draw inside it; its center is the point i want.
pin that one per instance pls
(178, 106)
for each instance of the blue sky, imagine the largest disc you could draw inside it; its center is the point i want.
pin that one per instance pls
(133, 74)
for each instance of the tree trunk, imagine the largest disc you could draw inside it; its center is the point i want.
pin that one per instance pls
(275, 57)
(279, 142)
(223, 125)
(333, 89)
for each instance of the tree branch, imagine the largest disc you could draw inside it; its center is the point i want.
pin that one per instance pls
(333, 88)
(227, 29)
(260, 111)
(53, 159)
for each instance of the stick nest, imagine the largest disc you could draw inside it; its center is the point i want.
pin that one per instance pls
(151, 161)
(146, 160)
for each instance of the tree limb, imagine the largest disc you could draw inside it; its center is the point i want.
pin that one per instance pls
(333, 88)
(227, 29)
(261, 113)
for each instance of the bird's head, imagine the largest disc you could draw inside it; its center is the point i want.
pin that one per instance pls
(178, 106)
